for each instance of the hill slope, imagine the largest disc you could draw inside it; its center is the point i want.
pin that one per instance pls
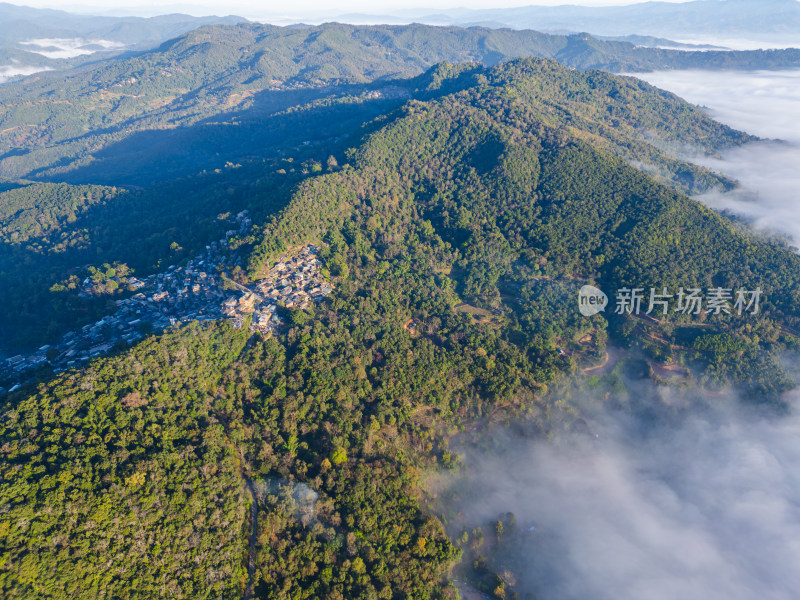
(192, 174)
(458, 232)
(54, 122)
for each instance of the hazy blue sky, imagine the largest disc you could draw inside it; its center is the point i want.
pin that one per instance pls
(255, 8)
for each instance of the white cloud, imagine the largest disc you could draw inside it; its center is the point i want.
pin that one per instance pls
(705, 507)
(68, 47)
(54, 48)
(735, 43)
(766, 104)
(9, 71)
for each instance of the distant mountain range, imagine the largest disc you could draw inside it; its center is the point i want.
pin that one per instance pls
(638, 37)
(33, 39)
(777, 20)
(22, 23)
(217, 69)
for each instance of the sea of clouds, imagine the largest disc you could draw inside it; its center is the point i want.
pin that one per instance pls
(765, 104)
(12, 70)
(56, 48)
(702, 507)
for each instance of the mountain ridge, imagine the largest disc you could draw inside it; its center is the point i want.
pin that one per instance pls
(457, 222)
(214, 71)
(777, 19)
(17, 23)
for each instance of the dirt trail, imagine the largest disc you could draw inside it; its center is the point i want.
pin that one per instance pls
(600, 366)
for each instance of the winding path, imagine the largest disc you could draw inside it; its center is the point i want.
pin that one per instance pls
(596, 367)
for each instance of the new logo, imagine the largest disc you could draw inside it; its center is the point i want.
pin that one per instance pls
(591, 300)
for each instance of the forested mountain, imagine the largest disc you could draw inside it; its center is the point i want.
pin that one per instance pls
(168, 186)
(457, 225)
(52, 122)
(513, 197)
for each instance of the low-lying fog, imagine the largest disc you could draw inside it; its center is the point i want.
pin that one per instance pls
(68, 47)
(701, 507)
(763, 103)
(54, 48)
(705, 507)
(12, 70)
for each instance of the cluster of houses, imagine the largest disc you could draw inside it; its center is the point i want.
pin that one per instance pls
(294, 282)
(181, 293)
(194, 291)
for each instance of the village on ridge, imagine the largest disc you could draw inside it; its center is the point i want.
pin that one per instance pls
(194, 291)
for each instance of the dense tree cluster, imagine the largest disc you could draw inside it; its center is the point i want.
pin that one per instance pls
(458, 232)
